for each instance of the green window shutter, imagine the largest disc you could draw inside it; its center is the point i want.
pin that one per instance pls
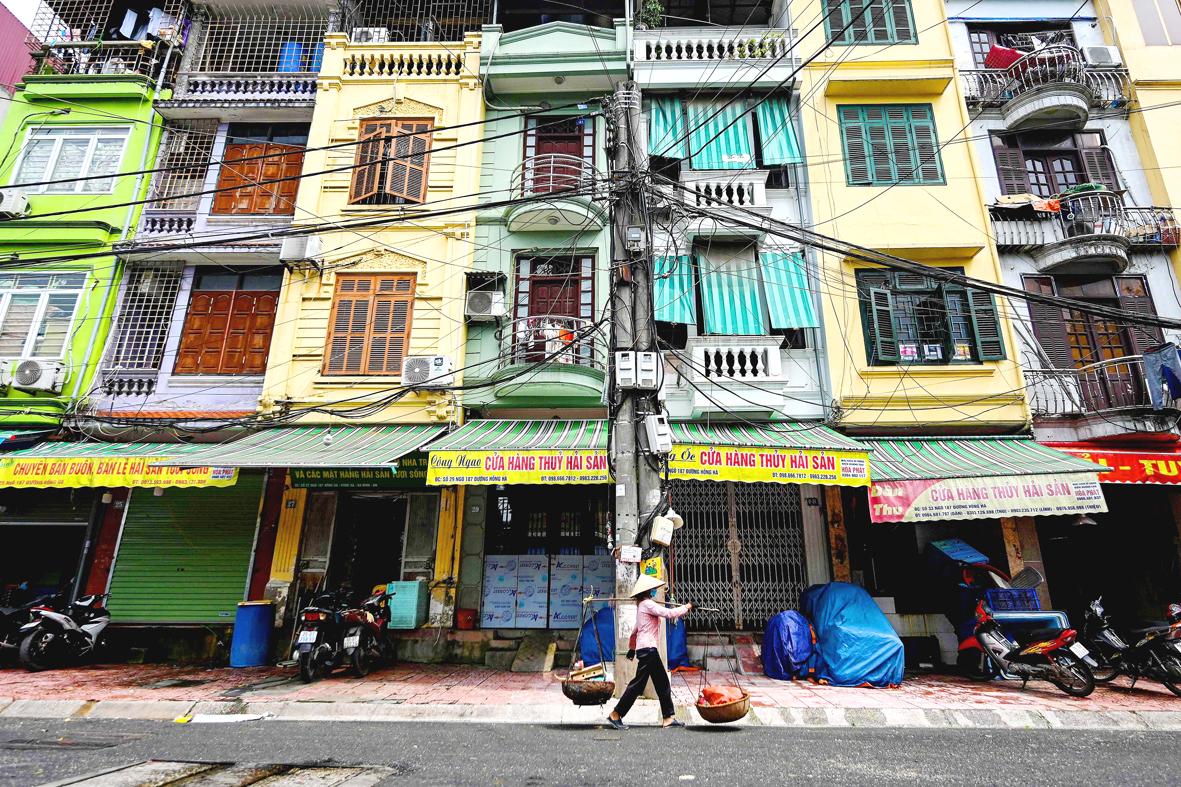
(872, 22)
(885, 144)
(856, 147)
(836, 17)
(986, 324)
(789, 298)
(674, 295)
(926, 145)
(882, 330)
(902, 145)
(730, 295)
(666, 128)
(777, 133)
(901, 22)
(184, 557)
(733, 147)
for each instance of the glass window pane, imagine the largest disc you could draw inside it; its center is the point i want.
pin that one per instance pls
(216, 281)
(69, 163)
(32, 281)
(262, 281)
(35, 160)
(55, 325)
(105, 161)
(17, 322)
(67, 281)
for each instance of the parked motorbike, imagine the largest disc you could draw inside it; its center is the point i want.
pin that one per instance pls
(12, 618)
(1157, 655)
(366, 634)
(1052, 655)
(60, 636)
(318, 643)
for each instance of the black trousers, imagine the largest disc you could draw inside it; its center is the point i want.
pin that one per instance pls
(648, 665)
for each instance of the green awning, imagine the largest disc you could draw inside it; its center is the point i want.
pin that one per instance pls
(316, 446)
(673, 294)
(666, 128)
(551, 435)
(733, 147)
(730, 295)
(924, 458)
(95, 450)
(777, 133)
(789, 298)
(789, 435)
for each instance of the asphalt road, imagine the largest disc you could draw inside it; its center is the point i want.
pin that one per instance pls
(36, 752)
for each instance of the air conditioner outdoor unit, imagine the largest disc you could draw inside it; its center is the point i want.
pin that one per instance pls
(371, 35)
(427, 371)
(485, 306)
(13, 203)
(33, 374)
(300, 248)
(1102, 56)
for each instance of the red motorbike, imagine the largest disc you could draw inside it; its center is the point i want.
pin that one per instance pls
(365, 639)
(1052, 655)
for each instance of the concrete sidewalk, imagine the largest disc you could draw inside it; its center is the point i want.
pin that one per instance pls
(419, 692)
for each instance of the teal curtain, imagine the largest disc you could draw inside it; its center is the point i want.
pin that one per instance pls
(733, 148)
(789, 298)
(731, 297)
(673, 294)
(666, 128)
(777, 133)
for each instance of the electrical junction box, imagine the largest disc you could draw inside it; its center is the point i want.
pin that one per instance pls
(637, 371)
(658, 433)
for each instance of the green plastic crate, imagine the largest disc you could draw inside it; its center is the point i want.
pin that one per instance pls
(408, 604)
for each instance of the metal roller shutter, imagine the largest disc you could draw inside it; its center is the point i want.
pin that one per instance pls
(184, 557)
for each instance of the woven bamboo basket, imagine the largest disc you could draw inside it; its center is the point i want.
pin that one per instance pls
(588, 692)
(725, 714)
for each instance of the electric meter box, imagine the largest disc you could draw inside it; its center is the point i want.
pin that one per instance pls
(637, 371)
(658, 433)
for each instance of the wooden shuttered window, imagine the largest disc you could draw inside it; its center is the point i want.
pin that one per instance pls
(887, 144)
(1049, 324)
(227, 332)
(393, 162)
(853, 22)
(1134, 297)
(244, 194)
(369, 327)
(1026, 164)
(900, 308)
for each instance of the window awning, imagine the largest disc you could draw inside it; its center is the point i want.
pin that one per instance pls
(666, 128)
(316, 446)
(674, 294)
(720, 136)
(925, 479)
(94, 464)
(777, 132)
(730, 294)
(789, 298)
(521, 452)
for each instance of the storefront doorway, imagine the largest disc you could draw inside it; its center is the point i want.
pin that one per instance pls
(744, 553)
(42, 536)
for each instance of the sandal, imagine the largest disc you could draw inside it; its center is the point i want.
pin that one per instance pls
(673, 723)
(616, 723)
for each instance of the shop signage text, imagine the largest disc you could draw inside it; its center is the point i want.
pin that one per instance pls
(1131, 467)
(985, 498)
(410, 471)
(125, 471)
(774, 465)
(518, 467)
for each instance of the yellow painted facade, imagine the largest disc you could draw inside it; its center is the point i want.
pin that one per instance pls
(944, 225)
(1155, 73)
(434, 81)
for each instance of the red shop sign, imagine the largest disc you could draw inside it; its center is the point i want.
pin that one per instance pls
(1133, 467)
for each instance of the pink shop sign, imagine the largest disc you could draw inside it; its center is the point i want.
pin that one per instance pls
(986, 498)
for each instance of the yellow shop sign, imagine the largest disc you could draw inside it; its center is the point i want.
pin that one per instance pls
(130, 471)
(774, 465)
(518, 467)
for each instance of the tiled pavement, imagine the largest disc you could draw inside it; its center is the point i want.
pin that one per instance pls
(454, 692)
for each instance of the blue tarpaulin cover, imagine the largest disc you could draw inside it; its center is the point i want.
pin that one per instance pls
(855, 644)
(787, 646)
(588, 647)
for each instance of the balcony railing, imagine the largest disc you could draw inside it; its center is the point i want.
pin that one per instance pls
(245, 87)
(725, 188)
(755, 359)
(1097, 214)
(1053, 65)
(159, 224)
(712, 44)
(1105, 387)
(387, 63)
(552, 173)
(103, 58)
(1152, 226)
(551, 340)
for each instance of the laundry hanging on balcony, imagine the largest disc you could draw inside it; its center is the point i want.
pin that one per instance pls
(777, 132)
(666, 128)
(720, 135)
(674, 293)
(789, 298)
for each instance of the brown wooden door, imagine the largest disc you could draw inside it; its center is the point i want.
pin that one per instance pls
(558, 148)
(1094, 340)
(553, 312)
(227, 332)
(243, 195)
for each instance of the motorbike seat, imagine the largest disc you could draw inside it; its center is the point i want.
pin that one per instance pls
(1030, 636)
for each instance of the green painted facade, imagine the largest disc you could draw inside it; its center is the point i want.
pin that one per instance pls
(93, 101)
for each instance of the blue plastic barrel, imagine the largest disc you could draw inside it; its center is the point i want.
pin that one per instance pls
(290, 57)
(253, 627)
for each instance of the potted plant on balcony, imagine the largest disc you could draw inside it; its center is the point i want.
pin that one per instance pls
(652, 14)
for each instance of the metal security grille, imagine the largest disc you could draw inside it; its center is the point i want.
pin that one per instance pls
(741, 551)
(184, 160)
(70, 21)
(264, 38)
(144, 317)
(378, 21)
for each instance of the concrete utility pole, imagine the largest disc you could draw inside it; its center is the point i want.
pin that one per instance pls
(637, 484)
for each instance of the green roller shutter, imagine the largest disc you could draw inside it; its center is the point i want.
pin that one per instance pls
(184, 557)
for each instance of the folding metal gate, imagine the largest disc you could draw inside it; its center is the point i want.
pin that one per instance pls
(741, 551)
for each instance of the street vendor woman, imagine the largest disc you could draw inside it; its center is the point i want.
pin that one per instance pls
(642, 646)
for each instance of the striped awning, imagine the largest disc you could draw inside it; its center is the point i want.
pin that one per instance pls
(674, 295)
(790, 435)
(789, 298)
(923, 458)
(666, 128)
(552, 435)
(777, 132)
(720, 135)
(94, 450)
(730, 294)
(316, 446)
